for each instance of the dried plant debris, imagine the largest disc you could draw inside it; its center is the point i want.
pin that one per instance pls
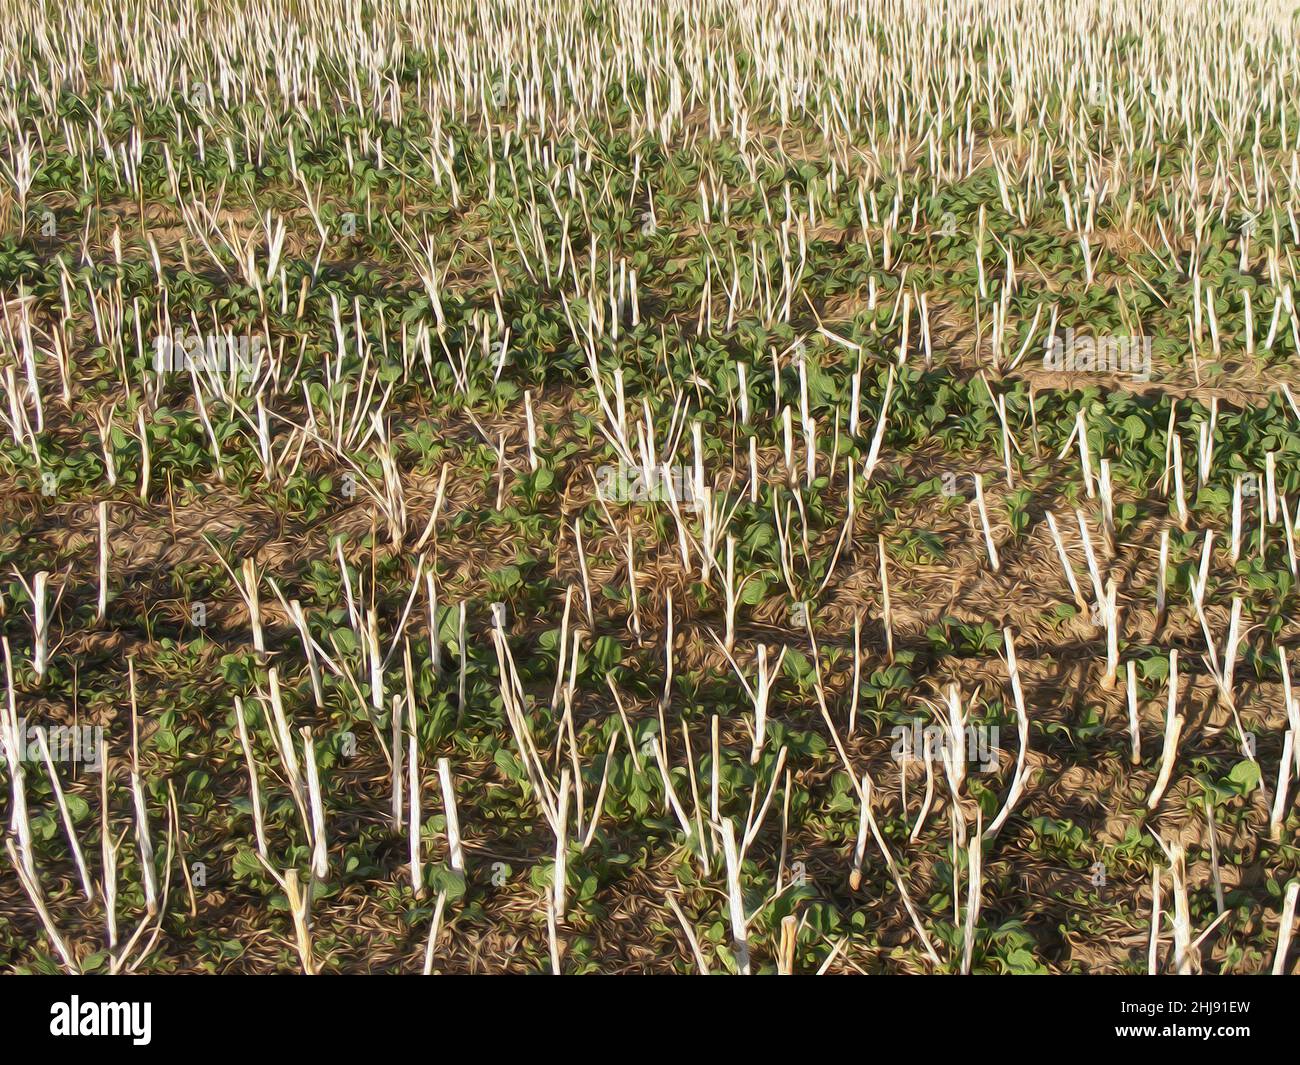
(743, 486)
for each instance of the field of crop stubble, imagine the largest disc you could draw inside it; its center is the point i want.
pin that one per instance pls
(728, 485)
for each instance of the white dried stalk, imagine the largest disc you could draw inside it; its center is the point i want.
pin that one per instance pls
(1173, 730)
(1230, 651)
(320, 850)
(39, 592)
(1161, 579)
(929, 790)
(559, 878)
(599, 805)
(860, 847)
(670, 793)
(563, 657)
(787, 438)
(873, 455)
(1153, 943)
(896, 874)
(397, 785)
(984, 523)
(1236, 519)
(532, 431)
(299, 899)
(690, 935)
(1022, 723)
(954, 754)
(513, 701)
(461, 653)
(253, 602)
(857, 670)
(144, 455)
(148, 868)
(1134, 732)
(376, 662)
(33, 891)
(435, 927)
(1278, 814)
(1286, 926)
(1107, 505)
(632, 587)
(104, 424)
(731, 594)
(1085, 456)
(19, 824)
(1094, 571)
(1292, 705)
(552, 938)
(1270, 481)
(974, 889)
(108, 857)
(1288, 529)
(101, 606)
(1110, 611)
(1180, 495)
(761, 696)
(715, 766)
(735, 899)
(1186, 957)
(413, 807)
(254, 792)
(454, 850)
(1066, 566)
(886, 611)
(789, 938)
(87, 884)
(299, 618)
(283, 740)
